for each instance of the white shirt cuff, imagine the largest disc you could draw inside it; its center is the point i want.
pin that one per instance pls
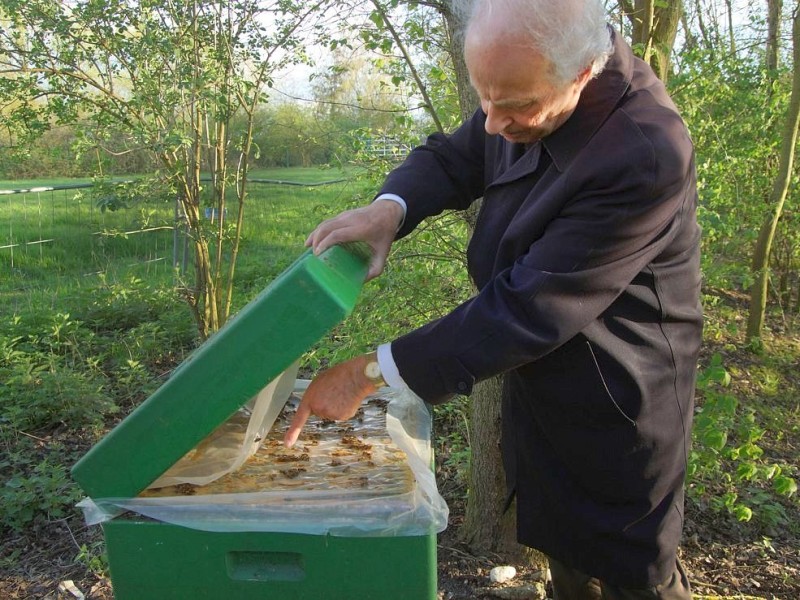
(388, 367)
(398, 200)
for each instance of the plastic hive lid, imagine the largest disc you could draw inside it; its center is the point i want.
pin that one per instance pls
(253, 348)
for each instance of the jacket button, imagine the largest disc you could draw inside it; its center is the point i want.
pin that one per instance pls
(462, 386)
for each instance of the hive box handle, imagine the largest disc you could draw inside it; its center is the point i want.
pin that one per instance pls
(265, 566)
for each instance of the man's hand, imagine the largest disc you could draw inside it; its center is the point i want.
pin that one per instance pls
(334, 394)
(375, 224)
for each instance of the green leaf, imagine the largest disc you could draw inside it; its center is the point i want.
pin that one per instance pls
(742, 513)
(785, 486)
(752, 451)
(703, 421)
(715, 439)
(727, 404)
(746, 471)
(376, 18)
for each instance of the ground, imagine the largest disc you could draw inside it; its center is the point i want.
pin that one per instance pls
(724, 558)
(723, 561)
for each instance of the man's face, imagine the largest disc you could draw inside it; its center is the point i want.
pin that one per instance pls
(517, 92)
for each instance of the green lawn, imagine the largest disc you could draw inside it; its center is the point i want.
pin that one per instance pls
(16, 184)
(306, 174)
(292, 174)
(58, 245)
(47, 236)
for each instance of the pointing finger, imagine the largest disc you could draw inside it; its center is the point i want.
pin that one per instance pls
(296, 426)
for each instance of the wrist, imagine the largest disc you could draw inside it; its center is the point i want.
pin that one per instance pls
(395, 210)
(372, 371)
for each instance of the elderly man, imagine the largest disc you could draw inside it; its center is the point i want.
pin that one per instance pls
(586, 258)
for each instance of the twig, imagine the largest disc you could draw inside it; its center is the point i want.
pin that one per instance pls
(74, 541)
(695, 582)
(463, 554)
(30, 435)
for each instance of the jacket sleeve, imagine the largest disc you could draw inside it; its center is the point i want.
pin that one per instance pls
(447, 172)
(622, 209)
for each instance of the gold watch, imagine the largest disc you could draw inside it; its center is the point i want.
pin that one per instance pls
(372, 371)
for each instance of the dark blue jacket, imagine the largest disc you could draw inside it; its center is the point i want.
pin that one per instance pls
(586, 258)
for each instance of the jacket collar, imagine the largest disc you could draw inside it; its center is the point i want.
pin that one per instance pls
(598, 99)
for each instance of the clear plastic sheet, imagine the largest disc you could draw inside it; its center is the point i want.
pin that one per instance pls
(236, 440)
(413, 509)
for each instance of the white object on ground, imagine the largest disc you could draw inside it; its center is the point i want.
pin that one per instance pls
(69, 587)
(502, 574)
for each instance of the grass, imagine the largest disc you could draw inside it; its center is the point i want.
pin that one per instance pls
(89, 248)
(293, 174)
(306, 174)
(15, 184)
(58, 240)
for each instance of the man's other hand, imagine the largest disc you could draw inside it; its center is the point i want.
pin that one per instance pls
(335, 394)
(375, 224)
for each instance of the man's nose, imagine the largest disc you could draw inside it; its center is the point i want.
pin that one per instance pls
(496, 119)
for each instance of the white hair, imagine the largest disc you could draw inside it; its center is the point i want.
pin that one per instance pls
(571, 34)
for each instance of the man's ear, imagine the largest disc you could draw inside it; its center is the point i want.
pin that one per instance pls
(584, 76)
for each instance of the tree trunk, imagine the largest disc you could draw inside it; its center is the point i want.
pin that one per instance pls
(758, 293)
(796, 308)
(486, 527)
(690, 38)
(707, 42)
(731, 37)
(774, 10)
(468, 100)
(654, 28)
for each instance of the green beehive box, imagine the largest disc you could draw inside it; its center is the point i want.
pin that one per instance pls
(151, 559)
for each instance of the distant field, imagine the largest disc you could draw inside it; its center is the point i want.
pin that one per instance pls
(57, 248)
(54, 240)
(15, 184)
(294, 174)
(305, 174)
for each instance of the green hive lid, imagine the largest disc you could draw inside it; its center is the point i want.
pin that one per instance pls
(253, 348)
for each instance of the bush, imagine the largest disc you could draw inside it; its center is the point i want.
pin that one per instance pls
(40, 394)
(727, 463)
(34, 492)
